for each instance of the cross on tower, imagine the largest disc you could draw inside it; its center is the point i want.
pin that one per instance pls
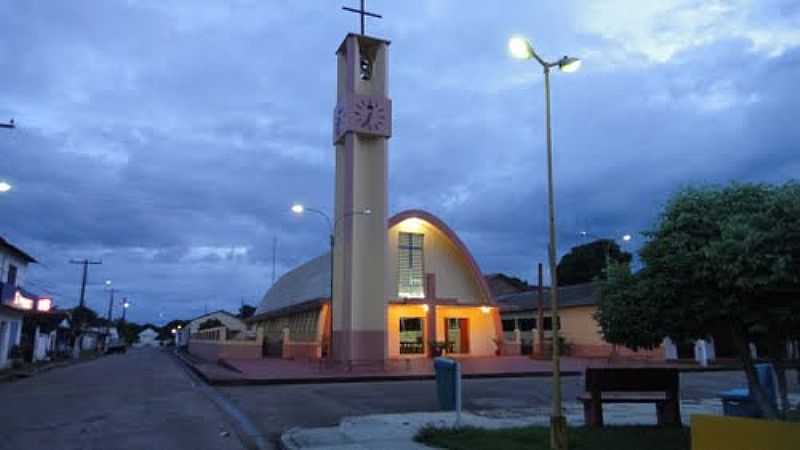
(362, 12)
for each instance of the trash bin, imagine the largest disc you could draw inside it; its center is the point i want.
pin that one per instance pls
(447, 383)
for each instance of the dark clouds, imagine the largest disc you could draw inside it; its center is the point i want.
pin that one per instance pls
(169, 138)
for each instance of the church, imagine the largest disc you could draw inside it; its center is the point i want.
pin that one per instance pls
(394, 287)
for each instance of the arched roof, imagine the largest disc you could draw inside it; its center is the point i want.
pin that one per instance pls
(309, 283)
(454, 239)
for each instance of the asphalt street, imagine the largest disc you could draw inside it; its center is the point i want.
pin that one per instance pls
(139, 400)
(146, 399)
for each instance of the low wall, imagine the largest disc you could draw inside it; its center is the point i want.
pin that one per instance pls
(606, 350)
(302, 350)
(215, 350)
(511, 349)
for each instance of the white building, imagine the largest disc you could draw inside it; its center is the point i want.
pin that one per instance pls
(147, 338)
(230, 321)
(14, 301)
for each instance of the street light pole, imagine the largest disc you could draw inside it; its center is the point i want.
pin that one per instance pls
(10, 124)
(520, 48)
(300, 209)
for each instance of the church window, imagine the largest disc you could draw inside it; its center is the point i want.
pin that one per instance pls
(411, 336)
(410, 266)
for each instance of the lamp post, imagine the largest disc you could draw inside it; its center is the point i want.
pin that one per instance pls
(125, 306)
(521, 48)
(110, 307)
(5, 187)
(298, 208)
(10, 124)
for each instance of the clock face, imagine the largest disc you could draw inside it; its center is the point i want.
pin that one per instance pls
(363, 114)
(369, 115)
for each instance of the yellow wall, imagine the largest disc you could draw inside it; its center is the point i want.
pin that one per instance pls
(579, 327)
(393, 328)
(481, 328)
(454, 279)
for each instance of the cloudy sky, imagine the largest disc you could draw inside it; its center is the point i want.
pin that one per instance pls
(169, 138)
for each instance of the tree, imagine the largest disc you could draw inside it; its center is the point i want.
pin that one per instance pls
(718, 256)
(586, 262)
(246, 311)
(165, 332)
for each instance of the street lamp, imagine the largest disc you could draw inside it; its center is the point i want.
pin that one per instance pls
(110, 305)
(10, 124)
(125, 306)
(299, 208)
(625, 238)
(5, 187)
(521, 48)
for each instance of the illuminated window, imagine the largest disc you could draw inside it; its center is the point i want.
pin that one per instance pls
(22, 302)
(44, 304)
(411, 336)
(410, 266)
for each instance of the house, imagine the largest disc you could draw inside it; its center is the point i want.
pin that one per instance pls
(581, 332)
(230, 321)
(436, 294)
(502, 284)
(148, 338)
(16, 301)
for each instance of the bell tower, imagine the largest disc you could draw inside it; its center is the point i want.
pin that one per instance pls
(361, 131)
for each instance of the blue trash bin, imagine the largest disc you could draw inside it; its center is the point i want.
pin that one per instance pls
(447, 383)
(739, 402)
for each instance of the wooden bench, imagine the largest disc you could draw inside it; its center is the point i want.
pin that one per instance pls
(630, 385)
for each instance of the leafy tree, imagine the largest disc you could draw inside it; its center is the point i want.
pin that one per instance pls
(718, 256)
(82, 316)
(165, 332)
(210, 323)
(246, 311)
(586, 262)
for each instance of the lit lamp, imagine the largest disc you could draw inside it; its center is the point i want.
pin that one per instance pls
(4, 187)
(521, 48)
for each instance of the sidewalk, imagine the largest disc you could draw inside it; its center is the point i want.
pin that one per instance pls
(397, 431)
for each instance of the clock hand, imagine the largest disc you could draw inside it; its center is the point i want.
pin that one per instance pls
(367, 120)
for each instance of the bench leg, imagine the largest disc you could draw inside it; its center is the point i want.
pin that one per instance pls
(668, 412)
(593, 413)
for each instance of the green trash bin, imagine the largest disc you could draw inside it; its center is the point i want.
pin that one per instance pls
(448, 385)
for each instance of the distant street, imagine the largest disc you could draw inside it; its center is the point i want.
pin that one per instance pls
(139, 400)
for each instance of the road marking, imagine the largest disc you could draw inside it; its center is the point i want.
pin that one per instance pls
(246, 430)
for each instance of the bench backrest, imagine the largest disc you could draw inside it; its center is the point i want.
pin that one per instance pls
(632, 380)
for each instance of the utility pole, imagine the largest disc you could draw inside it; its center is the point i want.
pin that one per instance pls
(85, 263)
(274, 247)
(540, 317)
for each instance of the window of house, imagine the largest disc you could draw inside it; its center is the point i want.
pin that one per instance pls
(509, 325)
(412, 337)
(410, 267)
(527, 324)
(548, 323)
(12, 275)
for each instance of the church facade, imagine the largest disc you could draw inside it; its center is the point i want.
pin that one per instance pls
(437, 299)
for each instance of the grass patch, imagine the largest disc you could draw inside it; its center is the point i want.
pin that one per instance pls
(535, 438)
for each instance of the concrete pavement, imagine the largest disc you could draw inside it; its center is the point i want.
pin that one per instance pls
(139, 400)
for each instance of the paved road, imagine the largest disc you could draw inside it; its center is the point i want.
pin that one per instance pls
(146, 400)
(140, 400)
(276, 408)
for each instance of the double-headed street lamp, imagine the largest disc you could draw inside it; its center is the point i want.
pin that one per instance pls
(521, 48)
(298, 208)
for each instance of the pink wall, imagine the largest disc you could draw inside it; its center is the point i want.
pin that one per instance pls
(213, 352)
(301, 350)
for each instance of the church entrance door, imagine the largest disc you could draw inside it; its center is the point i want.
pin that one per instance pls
(457, 335)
